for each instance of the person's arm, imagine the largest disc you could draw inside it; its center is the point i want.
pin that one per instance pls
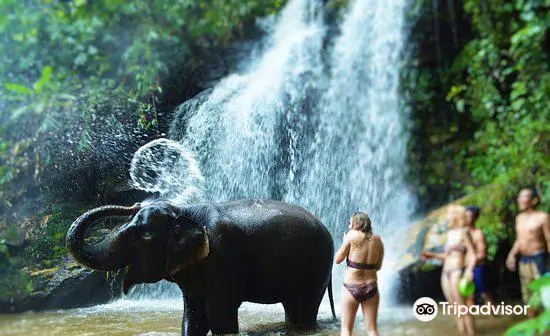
(379, 264)
(343, 251)
(511, 259)
(470, 262)
(546, 230)
(433, 255)
(480, 246)
(430, 255)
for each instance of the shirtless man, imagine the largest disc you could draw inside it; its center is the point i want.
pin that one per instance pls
(532, 242)
(480, 247)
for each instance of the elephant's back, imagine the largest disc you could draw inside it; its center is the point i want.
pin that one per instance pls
(286, 247)
(251, 214)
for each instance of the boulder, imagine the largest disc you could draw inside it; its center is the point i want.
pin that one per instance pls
(63, 287)
(419, 278)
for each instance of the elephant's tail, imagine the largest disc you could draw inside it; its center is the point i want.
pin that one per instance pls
(330, 297)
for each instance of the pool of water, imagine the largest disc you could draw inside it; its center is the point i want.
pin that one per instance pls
(163, 317)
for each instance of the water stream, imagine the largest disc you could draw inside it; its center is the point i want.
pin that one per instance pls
(163, 317)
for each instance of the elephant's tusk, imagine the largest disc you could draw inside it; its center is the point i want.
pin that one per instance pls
(206, 248)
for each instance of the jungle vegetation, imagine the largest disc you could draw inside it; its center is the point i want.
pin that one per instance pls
(476, 79)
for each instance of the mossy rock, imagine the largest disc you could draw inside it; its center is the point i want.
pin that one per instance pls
(62, 287)
(428, 233)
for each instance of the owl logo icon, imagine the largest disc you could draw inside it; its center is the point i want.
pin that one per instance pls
(425, 309)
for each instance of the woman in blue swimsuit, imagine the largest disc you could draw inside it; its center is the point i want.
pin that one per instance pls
(363, 252)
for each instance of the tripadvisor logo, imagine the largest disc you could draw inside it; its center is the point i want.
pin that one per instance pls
(425, 309)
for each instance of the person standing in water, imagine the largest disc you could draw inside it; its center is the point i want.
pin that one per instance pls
(455, 264)
(363, 252)
(532, 242)
(480, 247)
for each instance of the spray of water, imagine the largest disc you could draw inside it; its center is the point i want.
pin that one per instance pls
(330, 140)
(167, 167)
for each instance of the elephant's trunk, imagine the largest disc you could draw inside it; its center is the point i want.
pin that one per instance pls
(101, 256)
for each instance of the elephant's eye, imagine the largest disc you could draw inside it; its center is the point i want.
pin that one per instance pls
(147, 236)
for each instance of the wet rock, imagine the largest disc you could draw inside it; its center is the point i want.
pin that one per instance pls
(64, 287)
(419, 278)
(427, 233)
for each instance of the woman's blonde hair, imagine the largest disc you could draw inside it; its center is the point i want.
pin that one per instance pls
(459, 215)
(361, 221)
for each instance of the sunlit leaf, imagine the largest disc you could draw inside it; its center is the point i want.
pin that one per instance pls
(18, 88)
(539, 283)
(45, 78)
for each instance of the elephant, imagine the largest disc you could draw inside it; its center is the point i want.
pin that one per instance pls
(219, 254)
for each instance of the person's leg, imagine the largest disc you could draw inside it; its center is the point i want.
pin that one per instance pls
(445, 287)
(448, 293)
(470, 301)
(349, 310)
(481, 287)
(478, 282)
(465, 322)
(370, 314)
(526, 276)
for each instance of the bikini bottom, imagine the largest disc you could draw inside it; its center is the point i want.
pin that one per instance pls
(362, 292)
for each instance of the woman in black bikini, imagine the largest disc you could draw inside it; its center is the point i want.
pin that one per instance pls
(363, 253)
(455, 264)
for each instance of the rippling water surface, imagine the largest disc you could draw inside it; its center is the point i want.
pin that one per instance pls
(163, 317)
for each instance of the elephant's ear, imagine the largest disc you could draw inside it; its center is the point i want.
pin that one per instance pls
(185, 247)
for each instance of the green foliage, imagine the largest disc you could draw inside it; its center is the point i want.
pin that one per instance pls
(4, 253)
(64, 59)
(540, 324)
(50, 247)
(502, 83)
(506, 90)
(15, 283)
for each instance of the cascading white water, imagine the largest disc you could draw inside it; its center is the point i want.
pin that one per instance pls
(358, 161)
(330, 140)
(239, 132)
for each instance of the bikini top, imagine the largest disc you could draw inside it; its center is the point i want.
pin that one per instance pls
(361, 265)
(456, 247)
(455, 243)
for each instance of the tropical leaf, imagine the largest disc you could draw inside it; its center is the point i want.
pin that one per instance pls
(18, 88)
(45, 78)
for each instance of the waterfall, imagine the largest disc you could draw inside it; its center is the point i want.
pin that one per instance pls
(239, 132)
(359, 153)
(323, 132)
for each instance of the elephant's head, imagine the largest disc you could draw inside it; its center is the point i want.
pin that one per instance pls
(156, 242)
